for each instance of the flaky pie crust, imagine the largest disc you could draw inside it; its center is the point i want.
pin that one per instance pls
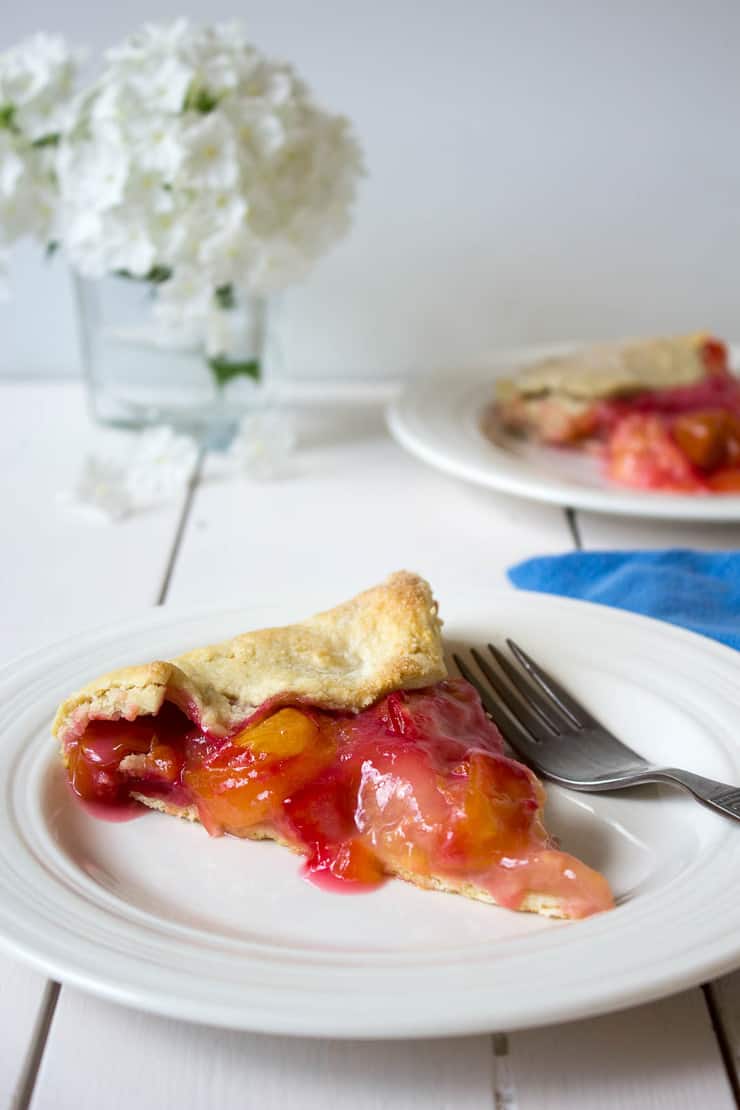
(611, 369)
(387, 638)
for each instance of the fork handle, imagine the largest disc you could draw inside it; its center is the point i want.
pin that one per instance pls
(718, 796)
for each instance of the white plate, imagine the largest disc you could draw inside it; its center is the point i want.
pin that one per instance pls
(154, 914)
(439, 419)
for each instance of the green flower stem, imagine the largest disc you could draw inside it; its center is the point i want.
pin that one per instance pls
(199, 99)
(156, 275)
(47, 140)
(7, 114)
(225, 370)
(224, 296)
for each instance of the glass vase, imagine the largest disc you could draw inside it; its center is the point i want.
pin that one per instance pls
(141, 370)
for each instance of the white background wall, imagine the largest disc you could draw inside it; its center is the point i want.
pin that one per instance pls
(539, 170)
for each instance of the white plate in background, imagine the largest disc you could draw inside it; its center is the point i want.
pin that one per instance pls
(440, 420)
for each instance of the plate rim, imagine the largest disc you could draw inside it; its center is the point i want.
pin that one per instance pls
(666, 982)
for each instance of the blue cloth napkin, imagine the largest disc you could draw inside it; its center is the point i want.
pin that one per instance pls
(698, 590)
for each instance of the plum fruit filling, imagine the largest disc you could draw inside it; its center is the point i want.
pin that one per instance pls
(416, 785)
(685, 439)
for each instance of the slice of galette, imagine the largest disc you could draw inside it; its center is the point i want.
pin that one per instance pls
(663, 414)
(342, 738)
(567, 399)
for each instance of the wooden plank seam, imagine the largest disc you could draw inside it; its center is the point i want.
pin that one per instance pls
(30, 1072)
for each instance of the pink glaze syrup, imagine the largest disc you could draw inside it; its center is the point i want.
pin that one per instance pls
(719, 391)
(334, 884)
(417, 783)
(105, 811)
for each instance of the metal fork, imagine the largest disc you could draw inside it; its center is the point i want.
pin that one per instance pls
(559, 737)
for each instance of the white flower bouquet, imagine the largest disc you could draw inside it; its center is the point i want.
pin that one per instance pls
(36, 88)
(192, 163)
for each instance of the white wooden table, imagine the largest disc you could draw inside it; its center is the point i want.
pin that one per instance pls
(356, 508)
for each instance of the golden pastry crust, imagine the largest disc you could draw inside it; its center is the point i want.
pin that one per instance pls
(387, 638)
(611, 369)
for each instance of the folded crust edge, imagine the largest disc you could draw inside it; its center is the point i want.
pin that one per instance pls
(384, 639)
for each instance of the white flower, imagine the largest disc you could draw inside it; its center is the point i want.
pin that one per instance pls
(196, 155)
(210, 160)
(12, 165)
(216, 227)
(157, 145)
(100, 491)
(153, 66)
(36, 93)
(165, 78)
(36, 80)
(27, 193)
(191, 152)
(93, 174)
(152, 470)
(110, 241)
(160, 467)
(131, 246)
(264, 444)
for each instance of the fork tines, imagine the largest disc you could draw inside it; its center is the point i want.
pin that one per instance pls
(527, 710)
